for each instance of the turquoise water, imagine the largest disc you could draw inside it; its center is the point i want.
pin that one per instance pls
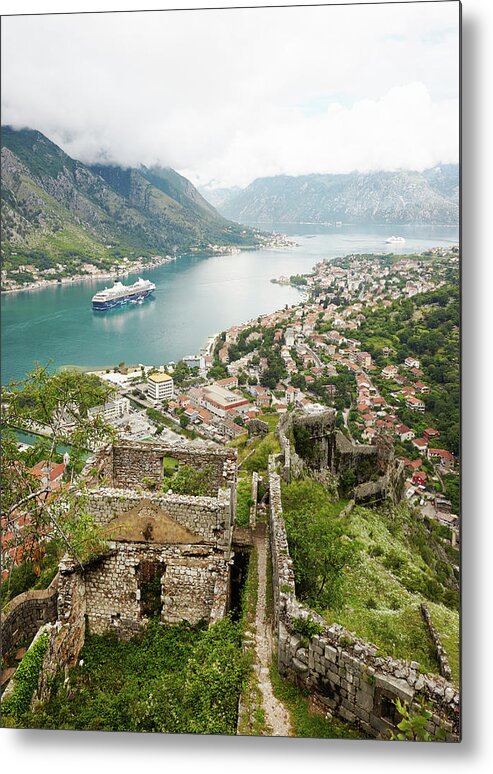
(196, 297)
(31, 439)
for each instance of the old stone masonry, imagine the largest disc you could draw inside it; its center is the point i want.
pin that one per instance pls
(165, 555)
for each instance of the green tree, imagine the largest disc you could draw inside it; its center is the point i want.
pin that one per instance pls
(57, 404)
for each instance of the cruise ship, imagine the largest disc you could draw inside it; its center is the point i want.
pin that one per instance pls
(395, 240)
(121, 294)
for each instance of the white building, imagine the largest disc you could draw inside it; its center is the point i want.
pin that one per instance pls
(160, 387)
(111, 410)
(195, 361)
(289, 337)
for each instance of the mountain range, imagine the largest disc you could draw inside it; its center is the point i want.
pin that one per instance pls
(429, 197)
(55, 208)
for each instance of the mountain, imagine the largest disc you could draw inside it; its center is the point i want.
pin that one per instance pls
(55, 208)
(219, 197)
(374, 197)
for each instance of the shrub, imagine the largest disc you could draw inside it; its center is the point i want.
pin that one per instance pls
(306, 627)
(177, 679)
(190, 481)
(26, 680)
(393, 560)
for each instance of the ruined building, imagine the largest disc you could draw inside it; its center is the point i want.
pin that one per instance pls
(313, 442)
(165, 555)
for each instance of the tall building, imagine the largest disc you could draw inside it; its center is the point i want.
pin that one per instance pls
(111, 410)
(160, 386)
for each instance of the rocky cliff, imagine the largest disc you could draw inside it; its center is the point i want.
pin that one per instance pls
(54, 207)
(397, 197)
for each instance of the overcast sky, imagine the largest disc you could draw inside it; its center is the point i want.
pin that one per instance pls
(228, 96)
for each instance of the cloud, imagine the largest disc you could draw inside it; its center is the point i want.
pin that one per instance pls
(227, 96)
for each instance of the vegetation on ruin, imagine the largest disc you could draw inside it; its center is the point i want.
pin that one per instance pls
(244, 500)
(187, 480)
(177, 679)
(371, 569)
(17, 704)
(413, 723)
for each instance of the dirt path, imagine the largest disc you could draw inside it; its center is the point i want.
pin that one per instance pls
(276, 716)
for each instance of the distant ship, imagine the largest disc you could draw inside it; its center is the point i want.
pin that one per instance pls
(393, 240)
(121, 294)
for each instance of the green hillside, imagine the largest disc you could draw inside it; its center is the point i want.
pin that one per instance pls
(57, 210)
(370, 571)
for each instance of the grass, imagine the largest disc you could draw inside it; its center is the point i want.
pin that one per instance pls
(304, 721)
(177, 679)
(400, 564)
(170, 464)
(447, 626)
(244, 500)
(398, 633)
(263, 448)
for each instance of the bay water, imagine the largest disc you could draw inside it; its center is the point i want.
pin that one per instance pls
(196, 296)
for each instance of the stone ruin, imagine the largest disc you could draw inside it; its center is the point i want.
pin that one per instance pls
(166, 555)
(313, 442)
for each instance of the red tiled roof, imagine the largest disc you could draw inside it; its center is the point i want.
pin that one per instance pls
(57, 469)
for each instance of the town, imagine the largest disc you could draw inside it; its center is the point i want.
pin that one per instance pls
(341, 409)
(307, 357)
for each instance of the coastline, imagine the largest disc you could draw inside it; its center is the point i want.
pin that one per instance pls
(96, 276)
(276, 240)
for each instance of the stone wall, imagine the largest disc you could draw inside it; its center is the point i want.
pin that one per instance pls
(26, 613)
(257, 427)
(188, 539)
(68, 632)
(378, 475)
(128, 464)
(209, 517)
(187, 580)
(441, 653)
(342, 672)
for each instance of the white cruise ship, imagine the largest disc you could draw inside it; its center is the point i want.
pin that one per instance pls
(395, 240)
(121, 294)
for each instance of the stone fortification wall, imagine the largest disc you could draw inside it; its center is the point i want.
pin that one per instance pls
(26, 613)
(209, 517)
(257, 427)
(343, 673)
(187, 580)
(127, 465)
(345, 456)
(324, 448)
(68, 632)
(441, 653)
